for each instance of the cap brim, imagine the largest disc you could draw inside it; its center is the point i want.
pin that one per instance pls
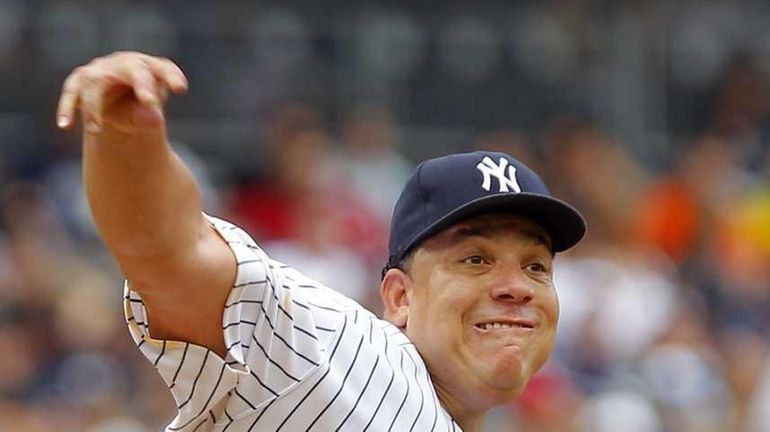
(563, 223)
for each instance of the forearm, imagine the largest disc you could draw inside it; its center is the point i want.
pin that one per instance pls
(143, 198)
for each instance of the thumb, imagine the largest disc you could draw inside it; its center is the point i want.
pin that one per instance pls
(146, 116)
(149, 115)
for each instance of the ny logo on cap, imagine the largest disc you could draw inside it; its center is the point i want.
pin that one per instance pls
(505, 178)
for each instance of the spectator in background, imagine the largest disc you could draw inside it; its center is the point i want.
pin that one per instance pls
(585, 165)
(679, 213)
(320, 250)
(740, 114)
(617, 297)
(342, 233)
(16, 416)
(551, 402)
(370, 159)
(740, 283)
(703, 217)
(683, 376)
(509, 141)
(62, 180)
(297, 145)
(295, 142)
(745, 354)
(759, 409)
(62, 353)
(614, 410)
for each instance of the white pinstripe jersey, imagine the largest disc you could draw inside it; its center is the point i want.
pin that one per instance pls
(300, 357)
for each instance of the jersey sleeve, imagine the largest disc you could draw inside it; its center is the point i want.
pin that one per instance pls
(276, 327)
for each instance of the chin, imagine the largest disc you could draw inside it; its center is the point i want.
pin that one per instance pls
(508, 388)
(495, 395)
(508, 376)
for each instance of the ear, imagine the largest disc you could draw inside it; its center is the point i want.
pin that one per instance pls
(395, 291)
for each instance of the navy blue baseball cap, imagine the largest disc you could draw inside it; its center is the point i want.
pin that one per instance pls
(449, 189)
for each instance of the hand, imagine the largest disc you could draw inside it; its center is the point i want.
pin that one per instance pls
(124, 90)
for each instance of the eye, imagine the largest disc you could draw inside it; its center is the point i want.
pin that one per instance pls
(474, 260)
(537, 267)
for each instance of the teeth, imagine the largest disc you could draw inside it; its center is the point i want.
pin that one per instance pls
(495, 326)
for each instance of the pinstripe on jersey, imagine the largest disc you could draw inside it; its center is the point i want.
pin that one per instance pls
(300, 357)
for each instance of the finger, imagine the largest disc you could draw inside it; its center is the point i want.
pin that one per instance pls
(91, 103)
(163, 91)
(144, 83)
(172, 75)
(96, 80)
(166, 71)
(66, 108)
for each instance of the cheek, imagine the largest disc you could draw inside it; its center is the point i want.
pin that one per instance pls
(441, 314)
(440, 335)
(551, 307)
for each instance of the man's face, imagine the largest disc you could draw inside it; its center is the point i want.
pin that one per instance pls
(482, 307)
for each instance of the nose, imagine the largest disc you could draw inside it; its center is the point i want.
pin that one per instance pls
(513, 287)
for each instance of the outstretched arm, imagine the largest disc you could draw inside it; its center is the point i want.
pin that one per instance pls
(145, 201)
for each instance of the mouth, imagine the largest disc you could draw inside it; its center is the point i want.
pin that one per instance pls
(506, 324)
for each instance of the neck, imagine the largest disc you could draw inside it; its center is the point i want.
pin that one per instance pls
(469, 419)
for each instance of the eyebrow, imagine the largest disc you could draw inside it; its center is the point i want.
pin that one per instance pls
(533, 235)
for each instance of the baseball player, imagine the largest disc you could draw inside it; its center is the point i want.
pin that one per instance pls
(246, 343)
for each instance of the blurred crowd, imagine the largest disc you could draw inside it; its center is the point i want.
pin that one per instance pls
(665, 306)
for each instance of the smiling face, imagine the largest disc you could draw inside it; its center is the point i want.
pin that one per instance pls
(480, 306)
